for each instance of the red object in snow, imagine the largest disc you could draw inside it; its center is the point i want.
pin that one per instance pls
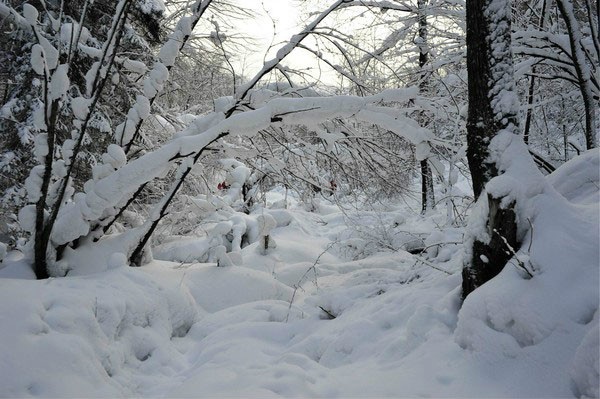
(223, 186)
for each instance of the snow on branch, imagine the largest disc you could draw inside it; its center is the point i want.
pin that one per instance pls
(128, 131)
(383, 5)
(9, 13)
(74, 219)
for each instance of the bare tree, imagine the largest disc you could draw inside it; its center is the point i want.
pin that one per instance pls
(581, 67)
(427, 194)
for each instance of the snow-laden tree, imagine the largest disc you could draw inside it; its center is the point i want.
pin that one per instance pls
(24, 87)
(557, 46)
(417, 43)
(60, 216)
(77, 63)
(505, 179)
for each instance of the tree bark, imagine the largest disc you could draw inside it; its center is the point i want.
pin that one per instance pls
(490, 258)
(427, 193)
(491, 90)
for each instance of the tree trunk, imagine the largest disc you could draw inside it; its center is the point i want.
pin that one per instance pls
(493, 107)
(531, 92)
(427, 194)
(582, 70)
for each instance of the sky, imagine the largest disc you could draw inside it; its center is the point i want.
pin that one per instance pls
(287, 16)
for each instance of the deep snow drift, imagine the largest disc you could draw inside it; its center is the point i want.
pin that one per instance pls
(322, 315)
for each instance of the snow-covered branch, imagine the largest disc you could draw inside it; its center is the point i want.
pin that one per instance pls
(109, 191)
(128, 131)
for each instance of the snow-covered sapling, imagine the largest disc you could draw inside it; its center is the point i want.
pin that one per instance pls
(266, 223)
(222, 259)
(2, 250)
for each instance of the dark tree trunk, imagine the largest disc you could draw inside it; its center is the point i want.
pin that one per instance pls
(481, 127)
(531, 91)
(427, 194)
(489, 258)
(42, 236)
(489, 78)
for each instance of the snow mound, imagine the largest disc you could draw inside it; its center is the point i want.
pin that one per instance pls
(541, 322)
(578, 180)
(14, 265)
(184, 249)
(96, 336)
(216, 288)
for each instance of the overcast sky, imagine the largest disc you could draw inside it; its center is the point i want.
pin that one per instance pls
(288, 21)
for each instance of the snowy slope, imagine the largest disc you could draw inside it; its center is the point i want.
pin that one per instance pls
(265, 328)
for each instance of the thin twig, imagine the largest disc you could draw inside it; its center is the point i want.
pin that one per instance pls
(514, 254)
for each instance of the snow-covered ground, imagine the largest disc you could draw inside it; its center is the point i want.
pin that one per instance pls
(324, 314)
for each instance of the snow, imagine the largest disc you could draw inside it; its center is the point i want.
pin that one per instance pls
(15, 266)
(80, 106)
(152, 6)
(124, 131)
(117, 260)
(27, 218)
(68, 33)
(50, 53)
(585, 371)
(291, 296)
(111, 189)
(59, 84)
(67, 150)
(59, 169)
(33, 183)
(109, 334)
(184, 25)
(169, 51)
(577, 180)
(37, 59)
(153, 84)
(90, 76)
(142, 106)
(266, 223)
(30, 13)
(115, 156)
(134, 66)
(40, 149)
(264, 327)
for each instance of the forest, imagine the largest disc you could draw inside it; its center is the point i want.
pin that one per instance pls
(299, 198)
